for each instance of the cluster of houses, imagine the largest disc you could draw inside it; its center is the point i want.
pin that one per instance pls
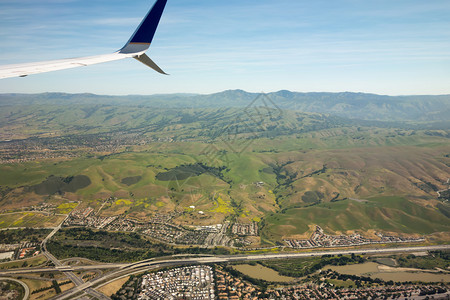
(234, 288)
(176, 235)
(23, 150)
(250, 229)
(24, 252)
(204, 282)
(320, 239)
(318, 291)
(193, 282)
(86, 217)
(159, 227)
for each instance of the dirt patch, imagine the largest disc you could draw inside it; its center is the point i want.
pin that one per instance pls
(111, 288)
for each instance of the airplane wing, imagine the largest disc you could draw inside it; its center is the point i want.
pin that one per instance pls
(136, 46)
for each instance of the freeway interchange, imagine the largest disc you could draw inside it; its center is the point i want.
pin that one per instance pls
(119, 270)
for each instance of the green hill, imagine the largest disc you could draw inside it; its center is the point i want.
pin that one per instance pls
(233, 158)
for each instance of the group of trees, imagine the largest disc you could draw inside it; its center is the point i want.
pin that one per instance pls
(15, 236)
(107, 246)
(303, 267)
(436, 259)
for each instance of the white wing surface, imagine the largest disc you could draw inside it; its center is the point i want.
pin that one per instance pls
(137, 45)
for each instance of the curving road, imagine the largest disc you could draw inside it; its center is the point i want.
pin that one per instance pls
(27, 290)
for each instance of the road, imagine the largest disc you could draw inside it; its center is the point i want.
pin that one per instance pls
(27, 290)
(67, 271)
(149, 264)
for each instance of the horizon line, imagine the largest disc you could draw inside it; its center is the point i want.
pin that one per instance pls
(224, 91)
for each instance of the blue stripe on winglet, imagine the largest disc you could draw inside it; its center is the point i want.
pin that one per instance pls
(146, 30)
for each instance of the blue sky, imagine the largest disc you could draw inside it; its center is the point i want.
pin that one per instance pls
(385, 47)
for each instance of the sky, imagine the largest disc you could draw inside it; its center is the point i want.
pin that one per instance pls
(388, 47)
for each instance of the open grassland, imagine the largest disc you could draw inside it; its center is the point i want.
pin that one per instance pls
(30, 219)
(30, 262)
(36, 285)
(47, 286)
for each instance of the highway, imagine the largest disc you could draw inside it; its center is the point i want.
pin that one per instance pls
(67, 271)
(122, 269)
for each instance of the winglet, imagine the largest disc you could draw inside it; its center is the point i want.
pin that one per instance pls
(141, 39)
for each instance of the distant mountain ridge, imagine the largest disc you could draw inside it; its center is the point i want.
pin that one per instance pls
(420, 108)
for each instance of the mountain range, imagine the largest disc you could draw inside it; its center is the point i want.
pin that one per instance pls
(419, 108)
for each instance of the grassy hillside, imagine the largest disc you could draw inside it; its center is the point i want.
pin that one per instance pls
(287, 170)
(394, 186)
(387, 214)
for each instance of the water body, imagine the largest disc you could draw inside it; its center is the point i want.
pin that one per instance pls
(264, 273)
(371, 269)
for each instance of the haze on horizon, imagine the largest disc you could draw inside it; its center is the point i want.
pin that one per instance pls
(383, 47)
